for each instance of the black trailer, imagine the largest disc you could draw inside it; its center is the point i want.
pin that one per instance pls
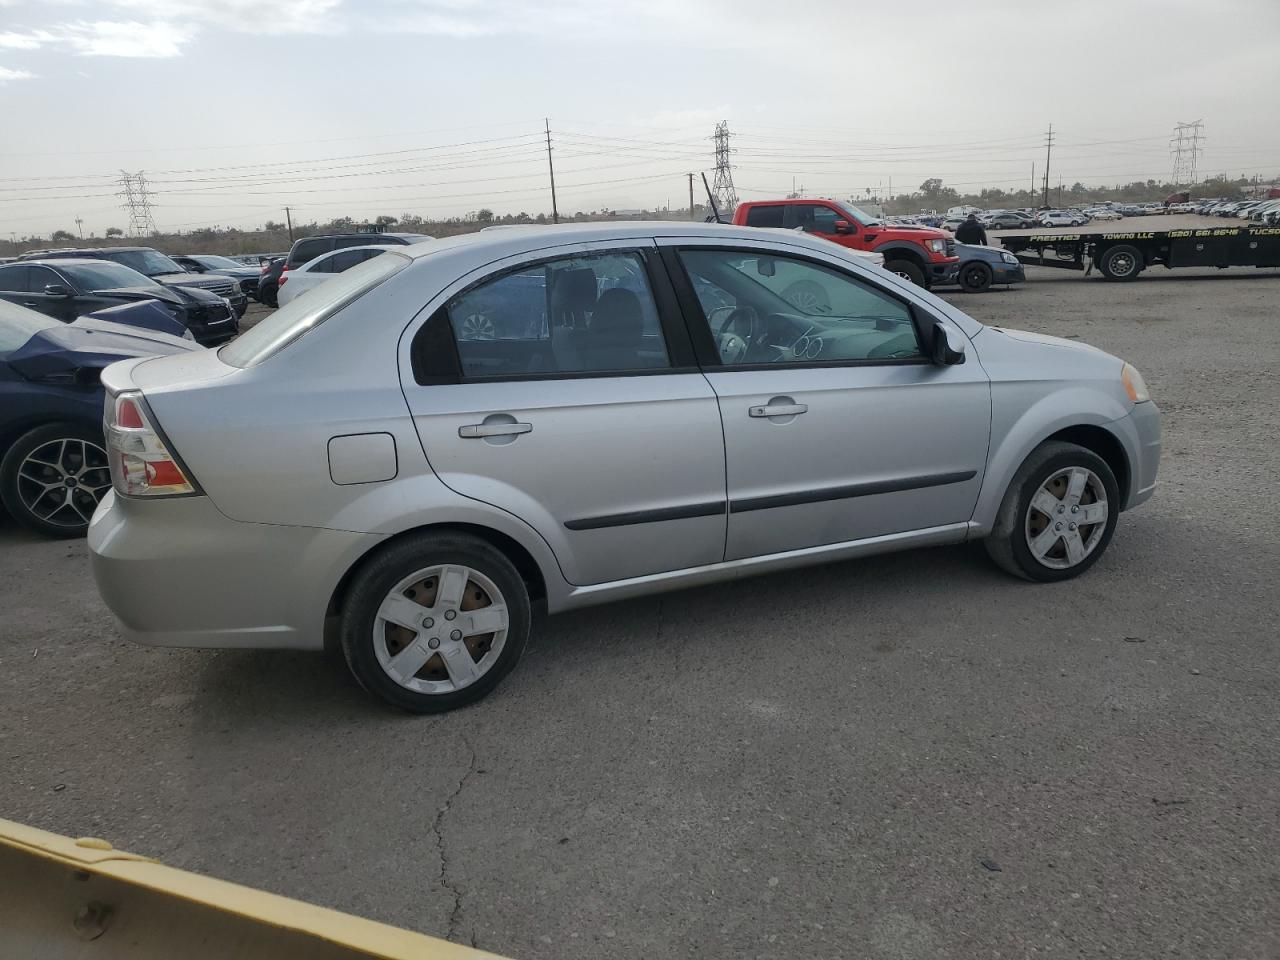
(1122, 256)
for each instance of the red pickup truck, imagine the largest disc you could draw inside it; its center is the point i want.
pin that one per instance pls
(923, 255)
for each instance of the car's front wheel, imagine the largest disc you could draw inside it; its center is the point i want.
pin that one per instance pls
(1058, 514)
(908, 270)
(53, 476)
(975, 277)
(435, 621)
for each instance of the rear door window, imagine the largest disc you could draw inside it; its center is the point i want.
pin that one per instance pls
(572, 315)
(765, 216)
(306, 250)
(14, 279)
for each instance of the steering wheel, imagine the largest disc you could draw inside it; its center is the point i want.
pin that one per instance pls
(742, 329)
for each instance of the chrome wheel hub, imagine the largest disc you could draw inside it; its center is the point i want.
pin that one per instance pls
(1067, 518)
(440, 629)
(60, 482)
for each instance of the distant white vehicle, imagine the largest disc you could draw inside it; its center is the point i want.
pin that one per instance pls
(1060, 218)
(1103, 213)
(294, 283)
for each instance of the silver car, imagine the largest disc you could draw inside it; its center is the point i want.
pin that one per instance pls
(420, 452)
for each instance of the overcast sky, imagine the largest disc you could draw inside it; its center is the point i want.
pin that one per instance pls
(235, 108)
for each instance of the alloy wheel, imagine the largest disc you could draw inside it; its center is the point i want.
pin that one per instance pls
(440, 629)
(60, 482)
(1067, 518)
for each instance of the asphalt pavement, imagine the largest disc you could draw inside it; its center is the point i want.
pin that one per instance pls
(912, 756)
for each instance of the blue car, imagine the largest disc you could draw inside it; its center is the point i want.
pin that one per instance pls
(981, 267)
(53, 465)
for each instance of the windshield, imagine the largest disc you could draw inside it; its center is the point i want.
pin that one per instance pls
(105, 276)
(151, 262)
(858, 214)
(218, 262)
(18, 325)
(298, 316)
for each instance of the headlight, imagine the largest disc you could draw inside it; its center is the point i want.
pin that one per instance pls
(938, 246)
(1134, 385)
(1008, 257)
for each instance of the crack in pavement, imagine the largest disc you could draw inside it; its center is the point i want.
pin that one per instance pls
(455, 914)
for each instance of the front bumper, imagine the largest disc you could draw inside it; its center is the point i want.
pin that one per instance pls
(1002, 272)
(1140, 433)
(177, 572)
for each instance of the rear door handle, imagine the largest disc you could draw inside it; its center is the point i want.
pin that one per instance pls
(779, 410)
(28, 303)
(474, 430)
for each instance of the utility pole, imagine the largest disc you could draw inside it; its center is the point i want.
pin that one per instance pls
(551, 168)
(1048, 152)
(1032, 194)
(288, 218)
(80, 227)
(13, 238)
(137, 201)
(692, 216)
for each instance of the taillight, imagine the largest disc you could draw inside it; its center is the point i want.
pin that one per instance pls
(141, 464)
(281, 281)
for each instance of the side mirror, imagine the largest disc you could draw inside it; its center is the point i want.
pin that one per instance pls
(947, 348)
(842, 226)
(56, 290)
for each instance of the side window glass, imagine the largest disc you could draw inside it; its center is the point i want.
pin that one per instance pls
(14, 279)
(579, 314)
(40, 276)
(765, 216)
(345, 260)
(768, 309)
(824, 220)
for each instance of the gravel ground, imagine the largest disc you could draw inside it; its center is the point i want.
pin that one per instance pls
(906, 757)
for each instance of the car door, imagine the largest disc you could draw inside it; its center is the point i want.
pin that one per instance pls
(15, 288)
(563, 389)
(836, 427)
(62, 306)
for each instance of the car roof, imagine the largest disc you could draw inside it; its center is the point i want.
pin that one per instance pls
(529, 237)
(60, 261)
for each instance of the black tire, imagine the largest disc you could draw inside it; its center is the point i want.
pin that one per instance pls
(1007, 543)
(42, 513)
(379, 575)
(975, 277)
(909, 269)
(1121, 262)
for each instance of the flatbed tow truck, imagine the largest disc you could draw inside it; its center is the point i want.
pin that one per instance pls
(1125, 254)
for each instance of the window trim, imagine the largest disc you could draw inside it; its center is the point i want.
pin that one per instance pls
(704, 341)
(681, 353)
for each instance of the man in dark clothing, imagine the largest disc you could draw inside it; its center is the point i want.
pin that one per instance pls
(971, 231)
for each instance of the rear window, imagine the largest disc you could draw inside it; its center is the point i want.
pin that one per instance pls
(299, 316)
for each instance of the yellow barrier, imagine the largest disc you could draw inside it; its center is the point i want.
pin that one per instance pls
(63, 898)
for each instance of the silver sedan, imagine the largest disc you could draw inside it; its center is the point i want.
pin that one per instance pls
(412, 458)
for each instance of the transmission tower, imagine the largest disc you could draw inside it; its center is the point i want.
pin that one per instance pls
(137, 203)
(1185, 147)
(726, 196)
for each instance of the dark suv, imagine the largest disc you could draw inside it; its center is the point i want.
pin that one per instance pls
(308, 248)
(152, 263)
(67, 288)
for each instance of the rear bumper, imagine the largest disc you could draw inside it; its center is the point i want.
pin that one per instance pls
(177, 572)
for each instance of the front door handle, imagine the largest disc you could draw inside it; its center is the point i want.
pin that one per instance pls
(777, 409)
(479, 430)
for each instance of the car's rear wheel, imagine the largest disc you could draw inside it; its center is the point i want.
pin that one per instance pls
(908, 270)
(52, 478)
(435, 621)
(976, 277)
(1058, 514)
